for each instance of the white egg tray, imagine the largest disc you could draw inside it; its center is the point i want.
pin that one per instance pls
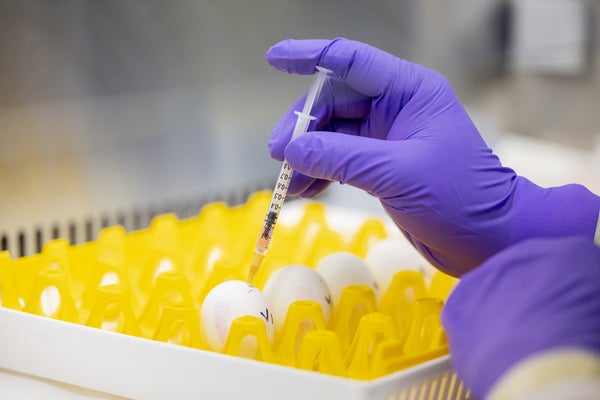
(51, 359)
(132, 367)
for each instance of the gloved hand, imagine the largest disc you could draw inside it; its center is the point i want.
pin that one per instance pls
(396, 130)
(540, 295)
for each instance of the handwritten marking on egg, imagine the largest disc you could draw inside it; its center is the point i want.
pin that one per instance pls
(226, 302)
(293, 283)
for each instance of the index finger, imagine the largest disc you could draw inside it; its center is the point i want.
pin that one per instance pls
(366, 69)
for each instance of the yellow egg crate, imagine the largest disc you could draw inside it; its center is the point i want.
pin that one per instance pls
(150, 284)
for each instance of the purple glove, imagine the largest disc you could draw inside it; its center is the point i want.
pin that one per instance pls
(539, 295)
(396, 130)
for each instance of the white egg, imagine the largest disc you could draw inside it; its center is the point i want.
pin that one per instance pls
(342, 269)
(293, 283)
(226, 302)
(388, 256)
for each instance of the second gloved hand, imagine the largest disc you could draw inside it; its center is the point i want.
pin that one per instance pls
(396, 130)
(537, 300)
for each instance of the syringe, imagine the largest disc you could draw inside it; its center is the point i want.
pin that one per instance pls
(284, 178)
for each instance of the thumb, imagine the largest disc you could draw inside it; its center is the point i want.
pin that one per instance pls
(366, 163)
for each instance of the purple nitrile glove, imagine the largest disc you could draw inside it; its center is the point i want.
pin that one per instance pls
(537, 296)
(396, 130)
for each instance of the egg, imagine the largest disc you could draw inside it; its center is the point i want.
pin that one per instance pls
(226, 302)
(293, 283)
(388, 256)
(342, 269)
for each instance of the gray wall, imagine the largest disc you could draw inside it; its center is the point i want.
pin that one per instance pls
(111, 105)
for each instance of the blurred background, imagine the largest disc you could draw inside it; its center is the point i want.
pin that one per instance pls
(113, 111)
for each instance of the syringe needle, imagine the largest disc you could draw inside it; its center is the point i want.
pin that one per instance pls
(284, 178)
(257, 259)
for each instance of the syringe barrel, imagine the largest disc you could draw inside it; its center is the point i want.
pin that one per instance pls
(277, 199)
